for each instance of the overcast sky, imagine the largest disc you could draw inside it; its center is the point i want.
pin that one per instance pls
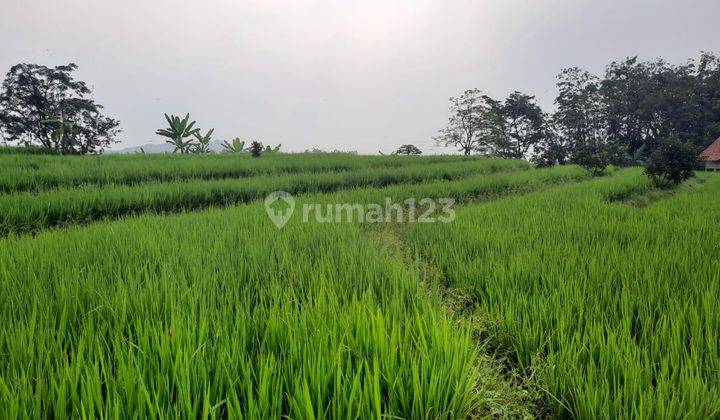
(353, 75)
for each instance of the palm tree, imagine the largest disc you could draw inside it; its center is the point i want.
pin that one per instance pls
(178, 132)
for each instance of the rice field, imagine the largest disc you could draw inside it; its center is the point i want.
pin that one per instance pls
(42, 172)
(616, 306)
(157, 286)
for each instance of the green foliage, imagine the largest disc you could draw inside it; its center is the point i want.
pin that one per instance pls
(140, 322)
(614, 306)
(550, 152)
(598, 156)
(635, 105)
(594, 158)
(270, 150)
(152, 325)
(45, 106)
(520, 126)
(408, 150)
(203, 142)
(237, 146)
(180, 133)
(470, 126)
(256, 149)
(596, 305)
(32, 211)
(26, 150)
(672, 162)
(64, 132)
(37, 173)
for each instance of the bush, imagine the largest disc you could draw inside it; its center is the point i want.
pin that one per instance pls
(256, 149)
(672, 163)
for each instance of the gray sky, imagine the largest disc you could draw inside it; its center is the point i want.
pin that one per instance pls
(362, 75)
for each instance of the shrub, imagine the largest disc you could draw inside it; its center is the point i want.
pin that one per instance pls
(671, 163)
(256, 149)
(595, 158)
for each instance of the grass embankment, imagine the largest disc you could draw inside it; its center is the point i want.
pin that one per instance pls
(613, 306)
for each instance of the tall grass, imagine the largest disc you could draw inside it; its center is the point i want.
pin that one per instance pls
(219, 314)
(620, 303)
(23, 212)
(609, 308)
(26, 150)
(37, 173)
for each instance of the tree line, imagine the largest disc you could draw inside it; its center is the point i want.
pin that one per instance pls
(618, 118)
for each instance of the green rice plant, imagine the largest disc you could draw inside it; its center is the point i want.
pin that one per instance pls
(607, 308)
(130, 319)
(37, 173)
(27, 150)
(23, 212)
(613, 306)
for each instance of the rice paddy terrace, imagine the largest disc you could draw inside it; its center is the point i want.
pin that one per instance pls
(157, 286)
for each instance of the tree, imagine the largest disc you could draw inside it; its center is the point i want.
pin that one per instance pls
(203, 142)
(237, 146)
(409, 150)
(469, 127)
(708, 97)
(520, 123)
(178, 131)
(579, 119)
(256, 149)
(672, 162)
(647, 101)
(551, 150)
(39, 104)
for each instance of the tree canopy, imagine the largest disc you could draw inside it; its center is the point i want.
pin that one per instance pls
(469, 127)
(46, 106)
(409, 150)
(617, 118)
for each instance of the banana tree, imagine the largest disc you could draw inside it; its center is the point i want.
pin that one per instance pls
(178, 132)
(63, 134)
(270, 150)
(203, 142)
(237, 146)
